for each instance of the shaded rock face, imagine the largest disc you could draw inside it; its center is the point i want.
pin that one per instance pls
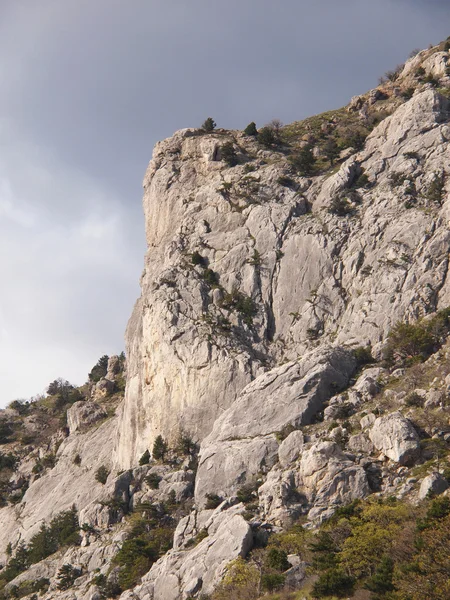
(307, 277)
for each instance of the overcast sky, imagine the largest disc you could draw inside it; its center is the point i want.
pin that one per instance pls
(89, 86)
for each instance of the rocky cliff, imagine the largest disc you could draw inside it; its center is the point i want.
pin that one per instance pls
(265, 350)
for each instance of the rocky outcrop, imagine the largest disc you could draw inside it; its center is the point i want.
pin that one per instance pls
(184, 573)
(194, 343)
(432, 485)
(84, 414)
(243, 443)
(396, 438)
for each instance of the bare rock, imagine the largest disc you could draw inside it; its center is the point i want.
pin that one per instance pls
(84, 414)
(290, 448)
(433, 484)
(395, 436)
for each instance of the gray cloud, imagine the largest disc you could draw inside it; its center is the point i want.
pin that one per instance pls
(89, 87)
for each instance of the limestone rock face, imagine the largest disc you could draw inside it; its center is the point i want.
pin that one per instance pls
(330, 479)
(242, 442)
(83, 414)
(395, 436)
(214, 232)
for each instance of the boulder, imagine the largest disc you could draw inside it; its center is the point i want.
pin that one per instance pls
(290, 448)
(433, 484)
(395, 436)
(82, 415)
(329, 479)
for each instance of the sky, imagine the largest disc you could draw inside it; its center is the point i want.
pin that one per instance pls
(89, 86)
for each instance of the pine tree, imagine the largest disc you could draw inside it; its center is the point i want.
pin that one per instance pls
(145, 458)
(209, 125)
(159, 448)
(251, 129)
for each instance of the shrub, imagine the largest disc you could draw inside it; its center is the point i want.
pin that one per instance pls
(435, 191)
(286, 181)
(246, 494)
(160, 448)
(197, 258)
(6, 432)
(209, 125)
(61, 531)
(186, 446)
(272, 581)
(251, 129)
(415, 342)
(381, 581)
(153, 481)
(8, 461)
(145, 458)
(66, 576)
(210, 277)
(340, 206)
(333, 583)
(213, 501)
(77, 459)
(99, 370)
(363, 355)
(331, 150)
(303, 161)
(277, 559)
(228, 154)
(135, 557)
(413, 399)
(267, 137)
(101, 474)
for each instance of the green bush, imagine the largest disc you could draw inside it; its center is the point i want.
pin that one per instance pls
(267, 137)
(303, 161)
(363, 355)
(435, 191)
(8, 461)
(213, 501)
(410, 342)
(340, 206)
(333, 583)
(209, 125)
(331, 150)
(99, 370)
(286, 181)
(135, 558)
(153, 480)
(277, 559)
(272, 581)
(101, 474)
(160, 448)
(381, 581)
(197, 259)
(145, 458)
(210, 277)
(228, 154)
(66, 577)
(251, 129)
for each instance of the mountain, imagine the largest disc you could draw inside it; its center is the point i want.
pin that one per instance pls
(287, 366)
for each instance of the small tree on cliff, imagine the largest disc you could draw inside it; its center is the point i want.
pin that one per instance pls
(159, 448)
(209, 125)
